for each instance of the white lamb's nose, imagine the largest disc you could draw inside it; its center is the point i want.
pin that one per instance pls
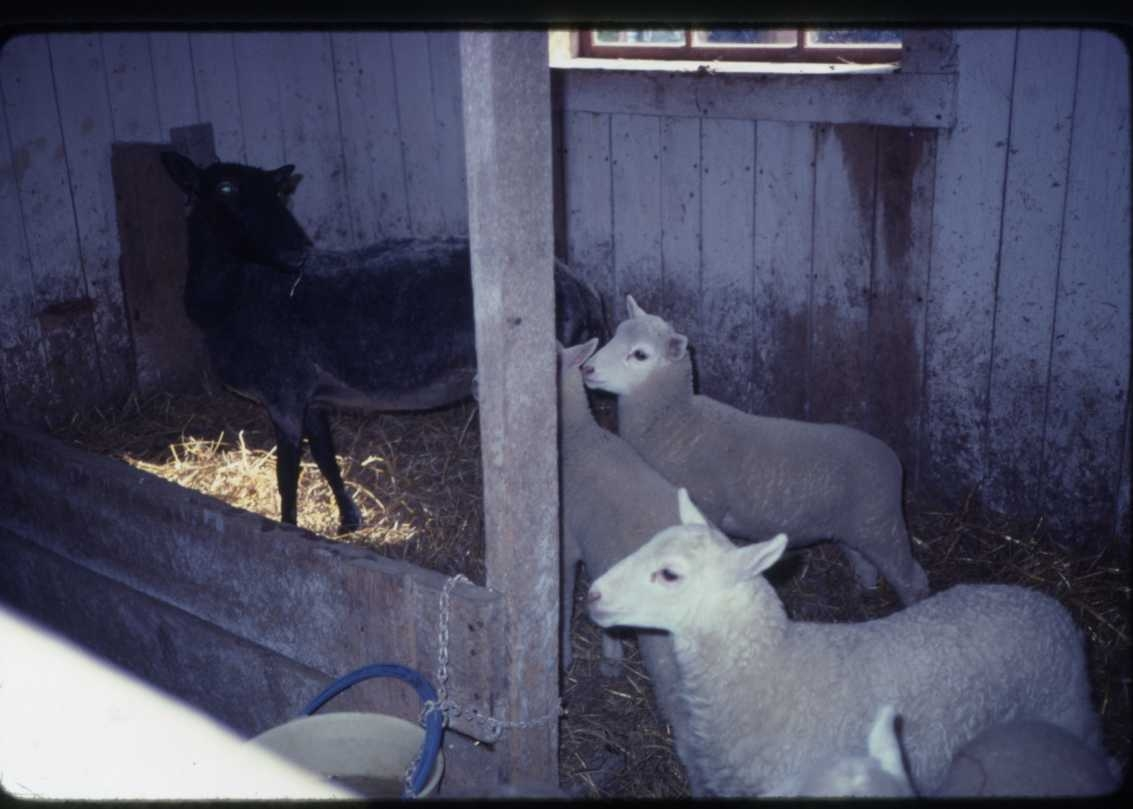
(587, 370)
(593, 596)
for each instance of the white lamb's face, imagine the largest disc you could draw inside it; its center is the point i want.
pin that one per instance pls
(641, 344)
(654, 587)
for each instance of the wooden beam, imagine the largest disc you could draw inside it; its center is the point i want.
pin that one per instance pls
(507, 125)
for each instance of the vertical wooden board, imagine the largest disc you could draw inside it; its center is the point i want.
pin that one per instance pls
(1089, 375)
(261, 108)
(444, 66)
(311, 136)
(130, 86)
(784, 224)
(173, 83)
(88, 126)
(418, 132)
(22, 360)
(967, 200)
(844, 197)
(636, 182)
(375, 172)
(217, 88)
(1123, 524)
(680, 226)
(63, 306)
(727, 197)
(169, 351)
(1034, 198)
(590, 223)
(895, 357)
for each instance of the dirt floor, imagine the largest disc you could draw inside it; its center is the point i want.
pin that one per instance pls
(416, 479)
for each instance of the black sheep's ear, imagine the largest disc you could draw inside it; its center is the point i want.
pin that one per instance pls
(183, 171)
(285, 183)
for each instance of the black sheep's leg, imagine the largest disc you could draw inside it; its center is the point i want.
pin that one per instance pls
(316, 426)
(289, 447)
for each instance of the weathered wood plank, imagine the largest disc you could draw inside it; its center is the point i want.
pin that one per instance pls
(169, 351)
(444, 67)
(217, 89)
(506, 97)
(1033, 205)
(244, 685)
(261, 106)
(844, 193)
(88, 126)
(968, 195)
(311, 137)
(784, 225)
(129, 84)
(895, 99)
(173, 79)
(903, 227)
(727, 191)
(371, 142)
(680, 227)
(635, 141)
(1089, 374)
(589, 203)
(418, 131)
(323, 604)
(62, 303)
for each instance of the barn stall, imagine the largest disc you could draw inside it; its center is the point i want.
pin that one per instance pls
(938, 255)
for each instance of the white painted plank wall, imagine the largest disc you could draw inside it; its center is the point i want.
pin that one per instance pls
(970, 166)
(635, 141)
(86, 115)
(1033, 203)
(784, 255)
(680, 226)
(1089, 363)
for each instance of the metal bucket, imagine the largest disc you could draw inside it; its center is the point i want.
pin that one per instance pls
(369, 753)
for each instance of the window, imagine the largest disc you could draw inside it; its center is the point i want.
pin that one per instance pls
(849, 46)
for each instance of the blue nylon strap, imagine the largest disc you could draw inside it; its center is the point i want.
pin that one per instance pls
(434, 720)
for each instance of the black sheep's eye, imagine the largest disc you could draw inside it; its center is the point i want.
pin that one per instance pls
(640, 355)
(226, 188)
(669, 575)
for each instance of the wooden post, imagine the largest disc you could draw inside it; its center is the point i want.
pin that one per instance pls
(507, 128)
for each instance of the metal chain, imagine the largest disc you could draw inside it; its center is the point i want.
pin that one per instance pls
(451, 709)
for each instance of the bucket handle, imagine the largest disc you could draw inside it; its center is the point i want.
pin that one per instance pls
(434, 720)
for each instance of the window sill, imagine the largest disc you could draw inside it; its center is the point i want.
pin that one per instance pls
(864, 94)
(746, 68)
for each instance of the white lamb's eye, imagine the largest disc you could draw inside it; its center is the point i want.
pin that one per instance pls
(668, 575)
(640, 355)
(226, 188)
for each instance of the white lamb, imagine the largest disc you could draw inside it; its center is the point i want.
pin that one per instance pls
(768, 697)
(1021, 758)
(755, 475)
(612, 503)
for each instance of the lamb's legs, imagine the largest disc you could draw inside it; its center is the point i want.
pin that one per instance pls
(316, 426)
(288, 450)
(864, 570)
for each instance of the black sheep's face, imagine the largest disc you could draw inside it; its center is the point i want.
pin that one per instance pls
(247, 209)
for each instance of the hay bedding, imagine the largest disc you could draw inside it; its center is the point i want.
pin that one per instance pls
(416, 480)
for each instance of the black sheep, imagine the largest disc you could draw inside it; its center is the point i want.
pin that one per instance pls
(296, 328)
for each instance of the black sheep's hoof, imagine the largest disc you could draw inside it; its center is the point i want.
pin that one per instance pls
(351, 521)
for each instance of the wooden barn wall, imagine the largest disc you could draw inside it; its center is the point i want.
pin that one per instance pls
(961, 291)
(956, 281)
(372, 121)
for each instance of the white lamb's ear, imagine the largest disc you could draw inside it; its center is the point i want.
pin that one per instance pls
(883, 745)
(757, 557)
(583, 351)
(690, 514)
(632, 307)
(675, 348)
